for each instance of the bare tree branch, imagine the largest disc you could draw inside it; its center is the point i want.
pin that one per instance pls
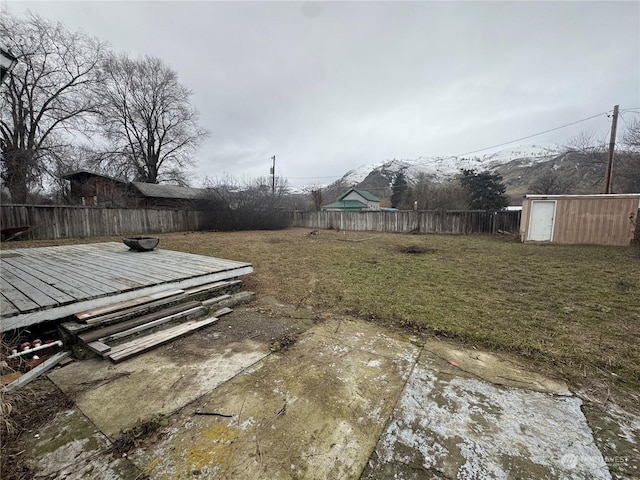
(148, 117)
(50, 94)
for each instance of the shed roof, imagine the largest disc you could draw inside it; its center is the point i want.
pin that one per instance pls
(363, 193)
(591, 195)
(78, 174)
(345, 205)
(155, 190)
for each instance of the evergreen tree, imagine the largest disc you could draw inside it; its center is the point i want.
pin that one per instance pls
(485, 189)
(400, 191)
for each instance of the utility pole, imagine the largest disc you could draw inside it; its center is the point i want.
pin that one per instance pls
(612, 146)
(273, 176)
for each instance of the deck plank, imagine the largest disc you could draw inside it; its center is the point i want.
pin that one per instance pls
(192, 312)
(56, 295)
(89, 285)
(119, 252)
(6, 307)
(105, 331)
(28, 290)
(138, 346)
(66, 279)
(144, 266)
(131, 312)
(86, 267)
(131, 266)
(120, 306)
(56, 282)
(16, 297)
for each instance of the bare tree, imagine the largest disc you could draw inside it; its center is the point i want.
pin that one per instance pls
(149, 120)
(592, 152)
(48, 95)
(551, 182)
(627, 170)
(631, 137)
(316, 197)
(432, 195)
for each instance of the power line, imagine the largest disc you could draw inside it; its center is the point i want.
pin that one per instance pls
(311, 178)
(623, 120)
(531, 136)
(500, 144)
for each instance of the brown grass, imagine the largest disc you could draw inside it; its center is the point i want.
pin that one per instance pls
(573, 311)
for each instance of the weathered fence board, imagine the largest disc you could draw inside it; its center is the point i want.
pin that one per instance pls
(50, 222)
(453, 222)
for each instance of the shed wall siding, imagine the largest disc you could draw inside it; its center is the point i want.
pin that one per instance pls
(589, 220)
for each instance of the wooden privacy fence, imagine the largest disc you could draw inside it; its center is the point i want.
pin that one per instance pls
(50, 222)
(454, 222)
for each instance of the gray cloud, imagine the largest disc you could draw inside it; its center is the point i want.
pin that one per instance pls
(328, 86)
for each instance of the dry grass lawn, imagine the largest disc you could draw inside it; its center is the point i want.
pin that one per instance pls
(572, 311)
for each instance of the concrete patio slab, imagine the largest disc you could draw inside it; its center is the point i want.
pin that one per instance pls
(71, 447)
(450, 424)
(349, 399)
(117, 397)
(315, 411)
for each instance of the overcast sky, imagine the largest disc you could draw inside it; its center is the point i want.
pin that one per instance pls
(329, 86)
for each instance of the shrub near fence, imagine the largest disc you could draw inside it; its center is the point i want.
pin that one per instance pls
(453, 222)
(50, 222)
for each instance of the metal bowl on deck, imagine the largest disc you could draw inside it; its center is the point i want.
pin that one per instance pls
(141, 244)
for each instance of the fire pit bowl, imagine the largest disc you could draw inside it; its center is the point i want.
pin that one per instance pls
(141, 244)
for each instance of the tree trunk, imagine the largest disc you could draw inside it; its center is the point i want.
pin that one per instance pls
(18, 172)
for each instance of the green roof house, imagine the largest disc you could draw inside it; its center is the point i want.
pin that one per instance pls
(353, 201)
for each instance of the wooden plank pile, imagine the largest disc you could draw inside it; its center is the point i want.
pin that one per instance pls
(122, 330)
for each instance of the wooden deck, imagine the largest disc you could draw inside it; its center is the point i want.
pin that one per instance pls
(48, 283)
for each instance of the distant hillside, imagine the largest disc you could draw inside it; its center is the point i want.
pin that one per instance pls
(520, 167)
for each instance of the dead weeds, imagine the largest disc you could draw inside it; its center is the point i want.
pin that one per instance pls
(31, 408)
(142, 433)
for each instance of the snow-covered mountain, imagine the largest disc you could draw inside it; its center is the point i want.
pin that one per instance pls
(444, 168)
(522, 168)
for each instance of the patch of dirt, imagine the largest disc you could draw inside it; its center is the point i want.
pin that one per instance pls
(142, 434)
(415, 249)
(263, 321)
(32, 408)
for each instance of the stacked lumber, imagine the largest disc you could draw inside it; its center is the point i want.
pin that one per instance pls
(124, 329)
(135, 347)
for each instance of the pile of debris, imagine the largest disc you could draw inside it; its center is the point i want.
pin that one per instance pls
(125, 329)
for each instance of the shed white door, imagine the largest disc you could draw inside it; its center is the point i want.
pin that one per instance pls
(543, 214)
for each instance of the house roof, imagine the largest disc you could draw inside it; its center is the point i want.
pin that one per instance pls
(155, 190)
(364, 194)
(345, 205)
(78, 174)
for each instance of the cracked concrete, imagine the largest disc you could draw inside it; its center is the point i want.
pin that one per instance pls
(349, 399)
(452, 425)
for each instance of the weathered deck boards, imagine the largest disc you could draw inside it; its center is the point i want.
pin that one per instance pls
(142, 344)
(47, 283)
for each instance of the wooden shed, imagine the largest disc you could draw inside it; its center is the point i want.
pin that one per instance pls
(92, 189)
(574, 219)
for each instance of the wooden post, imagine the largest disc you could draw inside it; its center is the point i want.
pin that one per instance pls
(612, 146)
(273, 176)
